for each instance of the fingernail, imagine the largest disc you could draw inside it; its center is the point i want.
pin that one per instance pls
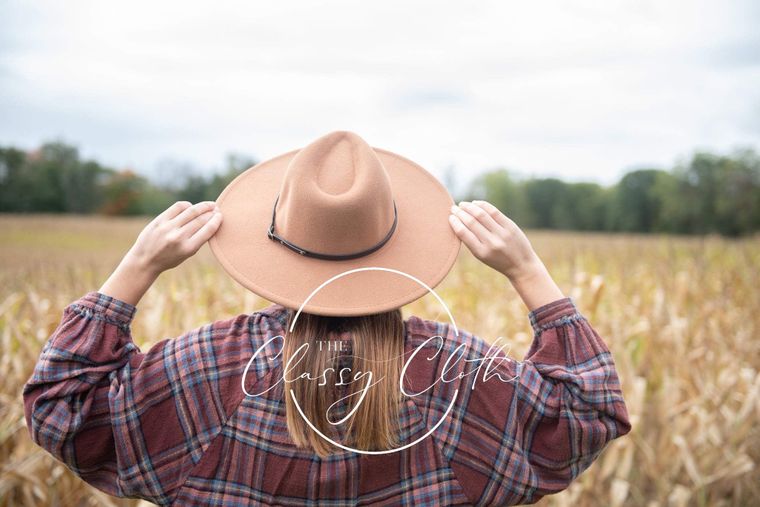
(453, 208)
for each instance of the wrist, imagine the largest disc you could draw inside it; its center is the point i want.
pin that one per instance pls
(536, 286)
(525, 271)
(130, 281)
(139, 265)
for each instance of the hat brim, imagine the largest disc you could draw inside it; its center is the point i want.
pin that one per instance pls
(423, 246)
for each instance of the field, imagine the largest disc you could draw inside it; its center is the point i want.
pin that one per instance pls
(680, 314)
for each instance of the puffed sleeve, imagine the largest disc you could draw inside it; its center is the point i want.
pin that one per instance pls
(130, 423)
(532, 426)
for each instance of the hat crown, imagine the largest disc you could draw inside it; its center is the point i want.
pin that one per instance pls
(335, 196)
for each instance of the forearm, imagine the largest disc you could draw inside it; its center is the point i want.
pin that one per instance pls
(536, 286)
(130, 280)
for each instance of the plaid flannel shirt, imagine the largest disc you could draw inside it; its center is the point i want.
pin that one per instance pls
(172, 425)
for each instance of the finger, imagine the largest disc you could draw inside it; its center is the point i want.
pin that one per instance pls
(463, 233)
(174, 210)
(196, 223)
(191, 212)
(482, 216)
(206, 231)
(499, 217)
(472, 223)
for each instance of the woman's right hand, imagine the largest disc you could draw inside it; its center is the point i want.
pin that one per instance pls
(494, 238)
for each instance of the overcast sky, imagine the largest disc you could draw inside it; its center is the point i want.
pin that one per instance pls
(579, 90)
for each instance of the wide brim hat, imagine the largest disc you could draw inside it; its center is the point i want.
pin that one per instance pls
(336, 196)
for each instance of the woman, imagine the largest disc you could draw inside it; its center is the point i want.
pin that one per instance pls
(327, 396)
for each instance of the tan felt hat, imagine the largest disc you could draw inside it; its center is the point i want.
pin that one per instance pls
(294, 225)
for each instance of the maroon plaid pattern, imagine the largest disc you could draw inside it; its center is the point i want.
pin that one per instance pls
(172, 424)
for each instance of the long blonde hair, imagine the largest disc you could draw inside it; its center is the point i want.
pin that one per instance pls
(377, 347)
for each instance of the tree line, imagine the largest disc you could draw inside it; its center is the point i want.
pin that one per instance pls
(709, 193)
(55, 179)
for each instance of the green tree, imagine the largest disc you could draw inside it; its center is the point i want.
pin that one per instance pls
(500, 189)
(12, 163)
(636, 206)
(737, 204)
(672, 213)
(50, 179)
(713, 194)
(545, 200)
(583, 206)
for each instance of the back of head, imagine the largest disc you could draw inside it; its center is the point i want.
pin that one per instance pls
(370, 370)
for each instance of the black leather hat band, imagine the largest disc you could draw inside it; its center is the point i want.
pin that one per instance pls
(271, 234)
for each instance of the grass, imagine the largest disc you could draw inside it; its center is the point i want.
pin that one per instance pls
(680, 314)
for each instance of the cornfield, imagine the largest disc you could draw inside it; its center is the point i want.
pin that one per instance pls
(680, 314)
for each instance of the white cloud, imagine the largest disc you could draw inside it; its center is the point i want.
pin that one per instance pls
(581, 90)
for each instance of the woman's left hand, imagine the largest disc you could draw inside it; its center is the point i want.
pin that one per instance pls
(175, 235)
